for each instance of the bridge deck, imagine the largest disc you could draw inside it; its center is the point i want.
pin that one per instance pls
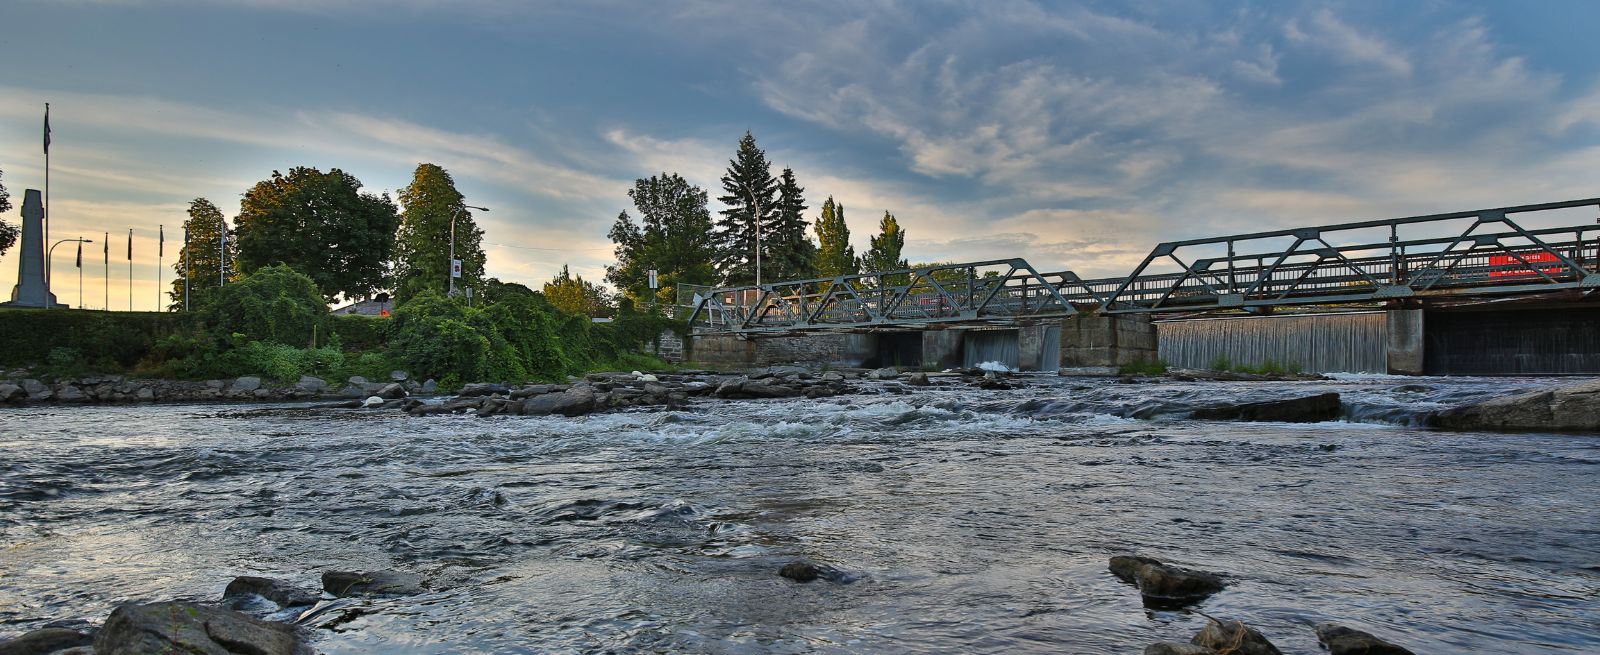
(1480, 253)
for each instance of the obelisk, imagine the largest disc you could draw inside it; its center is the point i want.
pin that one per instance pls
(31, 290)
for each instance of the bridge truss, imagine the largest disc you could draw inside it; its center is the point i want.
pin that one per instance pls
(1472, 254)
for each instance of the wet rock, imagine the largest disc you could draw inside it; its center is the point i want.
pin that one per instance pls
(1173, 648)
(802, 570)
(1162, 585)
(11, 393)
(430, 386)
(1310, 409)
(185, 628)
(918, 379)
(1340, 640)
(530, 390)
(372, 583)
(277, 591)
(391, 391)
(993, 383)
(1573, 408)
(1235, 638)
(46, 640)
(577, 401)
(310, 384)
(832, 376)
(760, 389)
(885, 373)
(372, 401)
(482, 389)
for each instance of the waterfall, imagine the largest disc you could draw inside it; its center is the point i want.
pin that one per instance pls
(992, 346)
(1321, 343)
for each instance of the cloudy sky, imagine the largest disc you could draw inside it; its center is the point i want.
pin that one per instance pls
(1073, 134)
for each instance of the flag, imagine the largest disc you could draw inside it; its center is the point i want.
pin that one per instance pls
(80, 254)
(161, 245)
(108, 247)
(130, 244)
(47, 128)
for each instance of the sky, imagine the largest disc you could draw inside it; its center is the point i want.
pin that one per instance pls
(1076, 135)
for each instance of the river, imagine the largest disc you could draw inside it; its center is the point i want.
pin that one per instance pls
(977, 521)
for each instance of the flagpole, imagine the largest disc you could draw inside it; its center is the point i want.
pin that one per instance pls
(130, 269)
(47, 272)
(107, 252)
(80, 274)
(161, 246)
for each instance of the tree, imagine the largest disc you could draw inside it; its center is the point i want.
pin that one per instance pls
(673, 237)
(275, 304)
(199, 263)
(752, 207)
(791, 251)
(8, 232)
(422, 251)
(573, 295)
(321, 225)
(835, 255)
(884, 255)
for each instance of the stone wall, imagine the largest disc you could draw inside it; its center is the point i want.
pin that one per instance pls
(669, 346)
(722, 350)
(1107, 341)
(833, 349)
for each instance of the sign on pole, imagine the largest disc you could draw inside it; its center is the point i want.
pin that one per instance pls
(653, 279)
(455, 268)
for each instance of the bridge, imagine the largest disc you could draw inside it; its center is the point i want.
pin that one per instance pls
(1453, 257)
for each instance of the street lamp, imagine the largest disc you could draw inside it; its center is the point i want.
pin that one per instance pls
(461, 209)
(755, 203)
(50, 260)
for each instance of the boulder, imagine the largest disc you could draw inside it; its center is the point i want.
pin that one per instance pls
(1574, 408)
(245, 385)
(277, 591)
(356, 381)
(46, 640)
(885, 373)
(833, 376)
(1309, 409)
(577, 401)
(1162, 585)
(802, 570)
(372, 401)
(760, 389)
(1173, 648)
(185, 628)
(430, 386)
(1235, 638)
(145, 394)
(398, 376)
(391, 391)
(483, 389)
(354, 391)
(731, 388)
(309, 384)
(1340, 640)
(11, 393)
(37, 390)
(67, 393)
(372, 583)
(918, 379)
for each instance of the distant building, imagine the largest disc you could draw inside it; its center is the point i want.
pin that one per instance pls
(379, 305)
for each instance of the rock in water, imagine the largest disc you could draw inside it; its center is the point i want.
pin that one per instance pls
(1340, 640)
(802, 570)
(185, 628)
(1234, 637)
(277, 591)
(1171, 648)
(918, 379)
(371, 583)
(372, 401)
(45, 640)
(885, 373)
(311, 384)
(1162, 585)
(1573, 408)
(1310, 409)
(391, 391)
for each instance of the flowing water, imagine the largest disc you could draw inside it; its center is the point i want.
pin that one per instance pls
(975, 521)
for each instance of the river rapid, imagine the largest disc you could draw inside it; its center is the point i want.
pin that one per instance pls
(977, 521)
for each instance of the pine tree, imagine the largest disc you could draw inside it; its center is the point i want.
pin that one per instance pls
(198, 262)
(752, 208)
(835, 255)
(792, 253)
(884, 255)
(422, 251)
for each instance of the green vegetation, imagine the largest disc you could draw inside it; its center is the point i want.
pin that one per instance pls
(200, 261)
(8, 232)
(574, 295)
(422, 249)
(321, 225)
(673, 237)
(835, 255)
(1144, 367)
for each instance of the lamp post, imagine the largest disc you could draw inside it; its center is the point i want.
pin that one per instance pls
(49, 259)
(755, 204)
(454, 216)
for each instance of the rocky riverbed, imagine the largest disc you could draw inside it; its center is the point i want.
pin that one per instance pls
(892, 517)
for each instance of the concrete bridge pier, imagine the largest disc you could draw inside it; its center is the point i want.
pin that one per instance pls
(1406, 341)
(1108, 341)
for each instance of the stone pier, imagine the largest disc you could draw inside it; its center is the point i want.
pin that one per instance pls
(1094, 341)
(1405, 337)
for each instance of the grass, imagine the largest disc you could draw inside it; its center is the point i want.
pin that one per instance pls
(1268, 367)
(1144, 367)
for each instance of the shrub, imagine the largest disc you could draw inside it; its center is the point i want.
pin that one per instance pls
(275, 304)
(1144, 367)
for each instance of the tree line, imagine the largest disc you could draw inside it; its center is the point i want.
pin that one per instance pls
(764, 221)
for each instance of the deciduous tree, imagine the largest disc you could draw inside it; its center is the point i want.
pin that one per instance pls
(199, 262)
(884, 255)
(835, 255)
(8, 232)
(322, 225)
(673, 236)
(573, 295)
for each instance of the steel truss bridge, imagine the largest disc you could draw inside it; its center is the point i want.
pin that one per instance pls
(1462, 255)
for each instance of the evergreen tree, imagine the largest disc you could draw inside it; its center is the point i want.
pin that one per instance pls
(673, 237)
(884, 255)
(571, 294)
(422, 250)
(198, 264)
(752, 207)
(322, 225)
(835, 255)
(793, 254)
